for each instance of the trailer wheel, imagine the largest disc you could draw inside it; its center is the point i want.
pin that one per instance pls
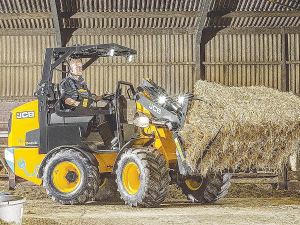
(70, 178)
(142, 177)
(207, 190)
(107, 190)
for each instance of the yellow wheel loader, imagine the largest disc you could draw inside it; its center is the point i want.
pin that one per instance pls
(62, 148)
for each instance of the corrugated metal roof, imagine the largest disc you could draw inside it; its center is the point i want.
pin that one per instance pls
(130, 6)
(254, 5)
(26, 23)
(24, 6)
(187, 22)
(11, 9)
(254, 22)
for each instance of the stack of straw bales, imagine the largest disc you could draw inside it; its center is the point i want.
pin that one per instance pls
(259, 128)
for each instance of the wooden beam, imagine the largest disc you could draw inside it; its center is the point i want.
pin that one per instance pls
(203, 17)
(38, 15)
(285, 81)
(266, 180)
(57, 22)
(99, 31)
(27, 32)
(134, 31)
(85, 15)
(283, 182)
(171, 14)
(226, 14)
(253, 30)
(150, 31)
(200, 47)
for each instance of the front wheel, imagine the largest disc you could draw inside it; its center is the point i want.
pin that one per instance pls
(70, 178)
(206, 190)
(142, 177)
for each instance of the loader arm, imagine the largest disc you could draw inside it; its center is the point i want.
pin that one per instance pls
(169, 113)
(149, 95)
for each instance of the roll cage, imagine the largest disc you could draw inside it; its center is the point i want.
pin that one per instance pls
(57, 56)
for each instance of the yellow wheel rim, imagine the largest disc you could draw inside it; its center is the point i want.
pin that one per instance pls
(131, 178)
(66, 177)
(193, 185)
(2, 171)
(104, 181)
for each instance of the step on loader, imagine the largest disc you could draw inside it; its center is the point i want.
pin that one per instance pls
(62, 149)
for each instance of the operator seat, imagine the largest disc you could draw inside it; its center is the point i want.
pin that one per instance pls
(60, 107)
(56, 90)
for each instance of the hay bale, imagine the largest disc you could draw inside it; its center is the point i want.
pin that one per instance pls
(259, 128)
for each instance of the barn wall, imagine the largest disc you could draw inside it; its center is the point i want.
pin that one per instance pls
(293, 48)
(231, 59)
(21, 60)
(167, 59)
(253, 59)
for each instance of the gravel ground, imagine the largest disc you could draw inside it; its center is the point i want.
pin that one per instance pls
(244, 204)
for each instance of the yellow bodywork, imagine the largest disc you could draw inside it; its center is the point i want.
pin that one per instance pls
(164, 141)
(27, 163)
(27, 159)
(24, 118)
(106, 161)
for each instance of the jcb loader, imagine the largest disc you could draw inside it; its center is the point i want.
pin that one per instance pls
(61, 148)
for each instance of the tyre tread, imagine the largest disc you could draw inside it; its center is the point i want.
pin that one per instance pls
(214, 188)
(92, 180)
(157, 178)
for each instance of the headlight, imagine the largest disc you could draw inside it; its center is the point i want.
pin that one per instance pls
(162, 99)
(111, 52)
(142, 121)
(181, 99)
(129, 58)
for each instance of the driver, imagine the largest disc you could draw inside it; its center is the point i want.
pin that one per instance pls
(74, 86)
(74, 90)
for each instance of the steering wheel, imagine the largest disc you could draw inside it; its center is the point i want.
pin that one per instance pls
(109, 97)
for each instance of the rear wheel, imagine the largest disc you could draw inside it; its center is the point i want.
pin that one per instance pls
(70, 178)
(207, 190)
(142, 177)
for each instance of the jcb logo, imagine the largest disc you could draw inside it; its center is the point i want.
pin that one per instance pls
(25, 115)
(155, 108)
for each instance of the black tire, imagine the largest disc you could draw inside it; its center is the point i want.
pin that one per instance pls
(108, 190)
(70, 168)
(210, 189)
(147, 187)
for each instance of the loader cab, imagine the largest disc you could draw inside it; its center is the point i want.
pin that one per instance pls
(59, 125)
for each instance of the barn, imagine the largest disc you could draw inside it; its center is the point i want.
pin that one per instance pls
(231, 42)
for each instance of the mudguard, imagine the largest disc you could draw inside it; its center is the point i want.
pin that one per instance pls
(142, 142)
(88, 155)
